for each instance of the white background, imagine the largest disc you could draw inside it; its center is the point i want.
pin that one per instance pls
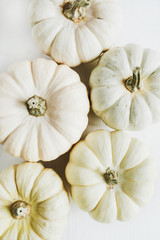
(141, 25)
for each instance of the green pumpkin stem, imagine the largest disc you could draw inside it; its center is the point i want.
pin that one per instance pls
(36, 106)
(133, 83)
(111, 177)
(75, 10)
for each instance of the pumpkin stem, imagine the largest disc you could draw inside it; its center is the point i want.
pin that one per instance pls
(111, 177)
(75, 10)
(133, 83)
(36, 106)
(20, 209)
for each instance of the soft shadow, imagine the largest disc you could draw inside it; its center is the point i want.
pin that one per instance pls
(84, 70)
(59, 165)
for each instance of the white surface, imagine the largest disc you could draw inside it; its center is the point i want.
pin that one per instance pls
(141, 25)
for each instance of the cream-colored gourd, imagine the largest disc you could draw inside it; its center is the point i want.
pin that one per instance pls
(43, 109)
(75, 31)
(125, 87)
(33, 203)
(111, 175)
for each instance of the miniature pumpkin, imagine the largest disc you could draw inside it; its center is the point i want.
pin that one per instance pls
(33, 203)
(44, 109)
(111, 175)
(125, 87)
(75, 31)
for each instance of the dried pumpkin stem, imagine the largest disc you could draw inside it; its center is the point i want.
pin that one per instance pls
(111, 177)
(20, 209)
(36, 106)
(133, 83)
(75, 10)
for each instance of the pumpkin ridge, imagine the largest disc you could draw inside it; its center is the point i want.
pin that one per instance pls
(116, 203)
(111, 65)
(145, 103)
(155, 95)
(112, 149)
(30, 199)
(128, 45)
(151, 93)
(51, 45)
(55, 127)
(110, 107)
(37, 233)
(131, 146)
(42, 20)
(32, 72)
(93, 184)
(130, 196)
(62, 89)
(22, 229)
(8, 229)
(6, 189)
(95, 37)
(13, 95)
(11, 73)
(50, 83)
(94, 171)
(98, 202)
(33, 77)
(17, 127)
(22, 152)
(40, 202)
(126, 154)
(77, 44)
(15, 179)
(78, 52)
(37, 179)
(93, 152)
(23, 164)
(75, 163)
(150, 108)
(40, 152)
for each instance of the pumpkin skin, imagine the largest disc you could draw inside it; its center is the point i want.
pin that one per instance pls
(112, 95)
(64, 116)
(121, 196)
(72, 42)
(40, 188)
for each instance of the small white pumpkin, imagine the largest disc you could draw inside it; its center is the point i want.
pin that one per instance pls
(111, 175)
(43, 109)
(33, 203)
(125, 87)
(75, 31)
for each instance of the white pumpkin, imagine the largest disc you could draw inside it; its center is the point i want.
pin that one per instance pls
(33, 203)
(111, 175)
(75, 31)
(43, 109)
(125, 87)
